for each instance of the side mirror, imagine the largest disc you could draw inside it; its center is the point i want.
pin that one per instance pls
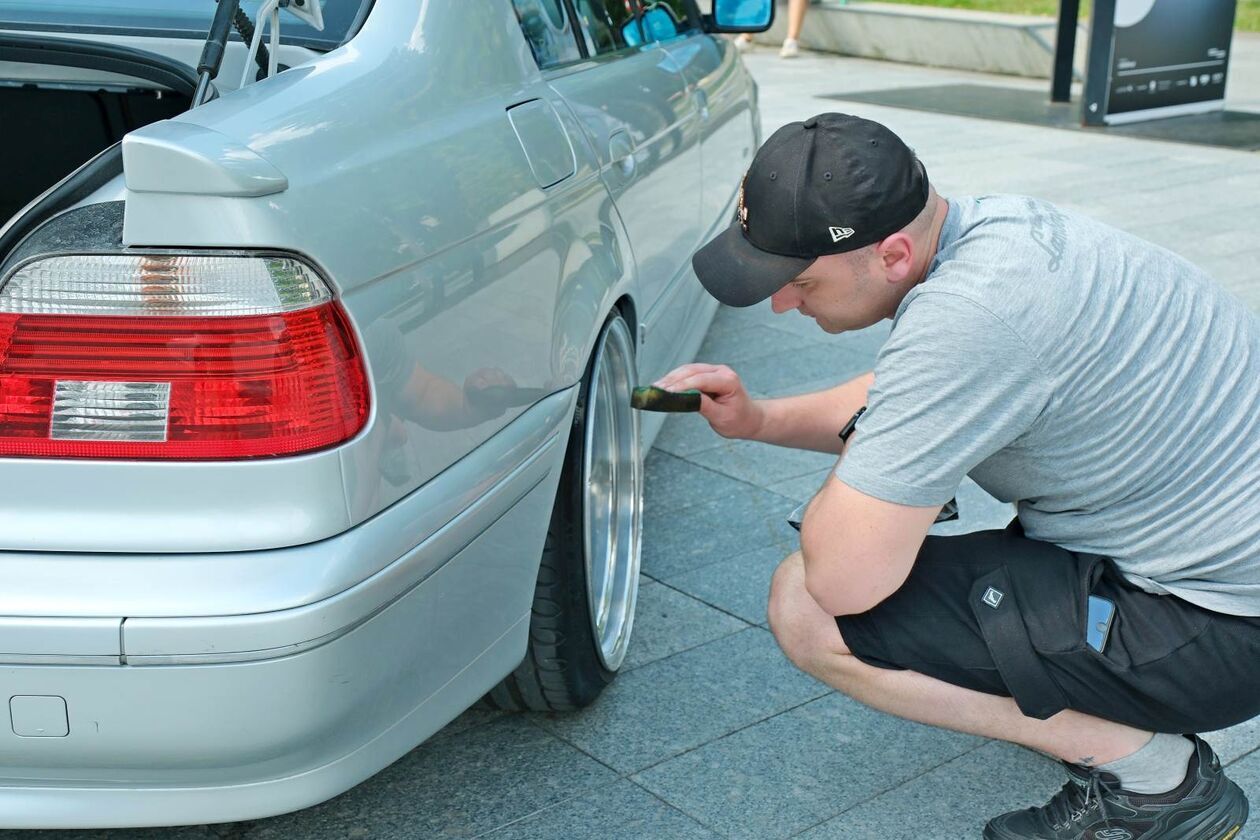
(740, 16)
(658, 25)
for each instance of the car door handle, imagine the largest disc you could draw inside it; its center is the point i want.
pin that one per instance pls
(702, 104)
(621, 153)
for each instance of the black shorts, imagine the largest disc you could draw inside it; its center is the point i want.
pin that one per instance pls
(996, 612)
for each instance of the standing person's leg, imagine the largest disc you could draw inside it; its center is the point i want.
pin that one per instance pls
(796, 19)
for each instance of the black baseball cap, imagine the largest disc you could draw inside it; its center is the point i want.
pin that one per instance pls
(830, 184)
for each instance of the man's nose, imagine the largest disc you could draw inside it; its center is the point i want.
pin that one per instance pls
(783, 300)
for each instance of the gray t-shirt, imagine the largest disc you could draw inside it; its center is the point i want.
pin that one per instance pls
(1105, 385)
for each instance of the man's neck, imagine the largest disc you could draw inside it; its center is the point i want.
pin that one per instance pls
(932, 237)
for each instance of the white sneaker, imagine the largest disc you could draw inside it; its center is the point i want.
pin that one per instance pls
(743, 44)
(790, 49)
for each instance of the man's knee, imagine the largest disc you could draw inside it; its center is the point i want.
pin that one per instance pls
(807, 634)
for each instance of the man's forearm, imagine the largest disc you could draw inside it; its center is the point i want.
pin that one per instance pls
(813, 421)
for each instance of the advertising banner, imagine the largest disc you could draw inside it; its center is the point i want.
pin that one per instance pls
(1157, 58)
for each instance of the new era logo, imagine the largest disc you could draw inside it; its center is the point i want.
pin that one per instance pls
(993, 597)
(838, 233)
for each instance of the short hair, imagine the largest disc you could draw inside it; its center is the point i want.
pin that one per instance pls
(916, 228)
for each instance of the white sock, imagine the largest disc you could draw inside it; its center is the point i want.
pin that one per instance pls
(1158, 767)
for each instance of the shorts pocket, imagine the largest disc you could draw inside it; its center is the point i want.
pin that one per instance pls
(1147, 627)
(1054, 585)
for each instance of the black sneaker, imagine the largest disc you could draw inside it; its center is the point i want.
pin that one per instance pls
(1093, 806)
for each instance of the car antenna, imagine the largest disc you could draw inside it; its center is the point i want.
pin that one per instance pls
(212, 52)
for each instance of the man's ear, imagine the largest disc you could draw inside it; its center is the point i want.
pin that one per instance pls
(896, 255)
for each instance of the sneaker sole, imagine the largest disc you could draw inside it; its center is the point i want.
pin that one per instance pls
(1222, 822)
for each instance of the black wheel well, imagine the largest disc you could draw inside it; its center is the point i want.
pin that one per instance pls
(625, 306)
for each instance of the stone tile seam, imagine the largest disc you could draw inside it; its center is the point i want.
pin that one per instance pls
(773, 325)
(544, 808)
(747, 624)
(729, 559)
(841, 350)
(530, 721)
(897, 786)
(830, 691)
(720, 441)
(741, 619)
(740, 459)
(619, 779)
(629, 776)
(1254, 750)
(721, 474)
(674, 807)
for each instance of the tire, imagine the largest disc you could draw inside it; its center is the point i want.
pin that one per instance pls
(588, 578)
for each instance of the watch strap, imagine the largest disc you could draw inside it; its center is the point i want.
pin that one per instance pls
(851, 425)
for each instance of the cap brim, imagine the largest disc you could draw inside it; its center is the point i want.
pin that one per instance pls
(738, 273)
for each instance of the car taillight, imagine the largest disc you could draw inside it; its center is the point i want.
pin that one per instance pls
(175, 356)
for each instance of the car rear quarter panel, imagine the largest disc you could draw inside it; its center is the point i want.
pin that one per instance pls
(410, 191)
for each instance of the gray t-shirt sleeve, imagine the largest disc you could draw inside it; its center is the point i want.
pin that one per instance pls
(953, 385)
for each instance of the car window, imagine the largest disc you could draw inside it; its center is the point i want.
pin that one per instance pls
(547, 28)
(170, 18)
(665, 19)
(608, 25)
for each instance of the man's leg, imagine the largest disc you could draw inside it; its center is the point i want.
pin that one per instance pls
(810, 639)
(1158, 787)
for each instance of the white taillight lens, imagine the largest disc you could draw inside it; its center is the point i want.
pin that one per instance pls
(133, 411)
(175, 356)
(163, 284)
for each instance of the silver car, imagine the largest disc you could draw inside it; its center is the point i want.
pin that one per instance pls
(317, 343)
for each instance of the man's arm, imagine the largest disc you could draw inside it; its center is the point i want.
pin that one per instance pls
(808, 421)
(858, 550)
(813, 421)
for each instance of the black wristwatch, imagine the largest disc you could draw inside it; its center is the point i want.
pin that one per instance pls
(851, 425)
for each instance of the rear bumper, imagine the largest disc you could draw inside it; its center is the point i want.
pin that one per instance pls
(231, 717)
(204, 744)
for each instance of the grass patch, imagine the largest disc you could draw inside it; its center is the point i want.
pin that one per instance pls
(1247, 19)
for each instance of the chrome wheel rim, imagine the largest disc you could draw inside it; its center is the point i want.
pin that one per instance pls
(612, 475)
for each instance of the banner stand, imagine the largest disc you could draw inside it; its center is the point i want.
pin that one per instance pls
(1064, 51)
(1102, 27)
(1151, 59)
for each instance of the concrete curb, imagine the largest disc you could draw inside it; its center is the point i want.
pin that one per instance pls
(986, 42)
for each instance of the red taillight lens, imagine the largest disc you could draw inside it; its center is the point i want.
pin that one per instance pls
(81, 386)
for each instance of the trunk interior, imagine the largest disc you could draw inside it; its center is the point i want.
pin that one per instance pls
(51, 131)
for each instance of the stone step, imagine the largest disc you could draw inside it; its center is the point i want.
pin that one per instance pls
(986, 42)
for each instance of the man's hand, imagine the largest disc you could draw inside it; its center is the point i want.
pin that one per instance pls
(723, 400)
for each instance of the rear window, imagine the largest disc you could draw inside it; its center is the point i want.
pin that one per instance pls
(169, 18)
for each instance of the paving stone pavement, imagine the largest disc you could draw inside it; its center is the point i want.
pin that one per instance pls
(710, 732)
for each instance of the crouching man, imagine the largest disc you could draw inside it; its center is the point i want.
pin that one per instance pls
(1104, 385)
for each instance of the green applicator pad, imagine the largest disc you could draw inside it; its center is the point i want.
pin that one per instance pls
(652, 398)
